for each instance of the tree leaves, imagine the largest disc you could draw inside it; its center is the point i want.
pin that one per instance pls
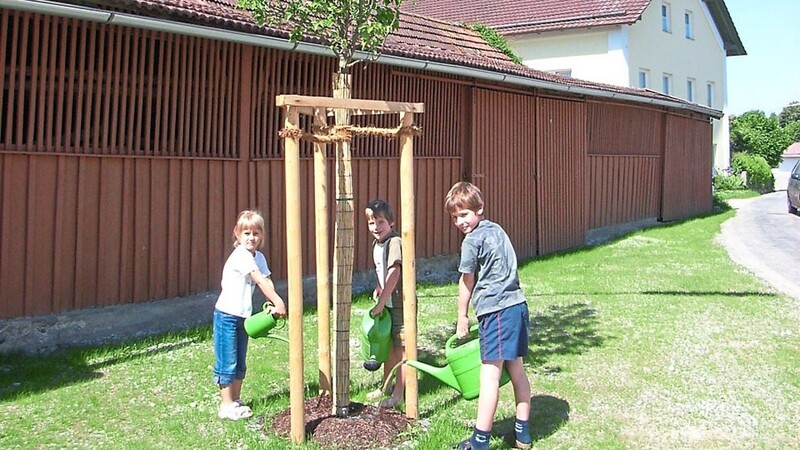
(343, 26)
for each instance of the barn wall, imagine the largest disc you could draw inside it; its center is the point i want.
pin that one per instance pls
(507, 178)
(687, 167)
(561, 174)
(624, 163)
(125, 155)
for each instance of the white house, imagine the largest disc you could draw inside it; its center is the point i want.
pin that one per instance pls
(677, 47)
(789, 158)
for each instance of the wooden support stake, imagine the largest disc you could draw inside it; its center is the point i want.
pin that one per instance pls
(294, 269)
(323, 269)
(408, 234)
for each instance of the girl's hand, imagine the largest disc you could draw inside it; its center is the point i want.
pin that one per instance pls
(278, 310)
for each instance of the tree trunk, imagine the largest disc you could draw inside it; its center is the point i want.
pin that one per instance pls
(343, 256)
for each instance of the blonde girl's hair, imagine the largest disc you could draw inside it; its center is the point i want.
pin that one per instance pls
(463, 195)
(248, 220)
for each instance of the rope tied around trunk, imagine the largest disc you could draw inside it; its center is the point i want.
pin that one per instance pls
(345, 133)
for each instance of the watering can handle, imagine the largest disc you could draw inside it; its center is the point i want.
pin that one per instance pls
(281, 322)
(452, 340)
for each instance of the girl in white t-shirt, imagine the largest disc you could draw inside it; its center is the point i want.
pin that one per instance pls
(245, 268)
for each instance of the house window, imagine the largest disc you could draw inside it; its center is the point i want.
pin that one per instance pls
(690, 89)
(710, 94)
(666, 26)
(688, 25)
(666, 83)
(644, 76)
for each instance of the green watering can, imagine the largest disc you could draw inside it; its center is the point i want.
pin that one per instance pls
(463, 368)
(262, 323)
(376, 339)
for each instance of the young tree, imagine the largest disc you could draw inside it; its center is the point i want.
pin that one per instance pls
(344, 26)
(754, 133)
(792, 130)
(789, 114)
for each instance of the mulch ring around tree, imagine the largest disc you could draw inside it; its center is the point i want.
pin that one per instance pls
(367, 426)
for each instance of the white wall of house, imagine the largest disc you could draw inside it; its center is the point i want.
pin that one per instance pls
(783, 171)
(616, 55)
(584, 54)
(700, 59)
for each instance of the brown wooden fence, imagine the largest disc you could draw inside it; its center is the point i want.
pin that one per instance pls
(125, 155)
(624, 170)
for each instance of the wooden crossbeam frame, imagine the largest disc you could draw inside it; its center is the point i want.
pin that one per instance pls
(320, 108)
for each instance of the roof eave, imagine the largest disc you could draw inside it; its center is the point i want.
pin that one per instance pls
(724, 23)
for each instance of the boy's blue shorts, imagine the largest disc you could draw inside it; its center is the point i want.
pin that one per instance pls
(230, 348)
(504, 334)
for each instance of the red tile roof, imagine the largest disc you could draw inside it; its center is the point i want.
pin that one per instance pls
(792, 150)
(511, 17)
(527, 16)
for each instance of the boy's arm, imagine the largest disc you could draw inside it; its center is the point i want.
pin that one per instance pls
(465, 285)
(268, 288)
(392, 278)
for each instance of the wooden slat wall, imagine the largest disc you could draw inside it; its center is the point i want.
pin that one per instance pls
(616, 129)
(623, 189)
(624, 163)
(561, 174)
(92, 89)
(687, 168)
(81, 232)
(126, 154)
(504, 163)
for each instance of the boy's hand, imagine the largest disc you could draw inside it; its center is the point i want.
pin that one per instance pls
(462, 327)
(377, 310)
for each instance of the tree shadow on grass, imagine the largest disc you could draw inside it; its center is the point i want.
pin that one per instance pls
(548, 415)
(24, 374)
(561, 330)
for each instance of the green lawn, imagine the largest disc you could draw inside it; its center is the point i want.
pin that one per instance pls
(654, 340)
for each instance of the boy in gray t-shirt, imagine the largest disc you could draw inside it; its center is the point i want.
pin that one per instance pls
(489, 280)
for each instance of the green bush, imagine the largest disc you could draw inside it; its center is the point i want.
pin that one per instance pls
(759, 174)
(728, 182)
(496, 41)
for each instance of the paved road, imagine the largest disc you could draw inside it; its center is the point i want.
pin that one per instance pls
(765, 238)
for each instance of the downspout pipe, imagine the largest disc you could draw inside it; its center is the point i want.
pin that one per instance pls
(131, 20)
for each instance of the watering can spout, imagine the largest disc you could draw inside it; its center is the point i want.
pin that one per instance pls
(443, 374)
(463, 369)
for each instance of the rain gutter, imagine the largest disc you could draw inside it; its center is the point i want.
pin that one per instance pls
(136, 21)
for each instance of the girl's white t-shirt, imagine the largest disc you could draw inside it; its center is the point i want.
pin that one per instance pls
(236, 297)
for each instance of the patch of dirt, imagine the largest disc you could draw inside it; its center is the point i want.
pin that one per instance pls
(367, 426)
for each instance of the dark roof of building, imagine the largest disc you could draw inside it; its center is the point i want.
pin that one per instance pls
(418, 39)
(514, 17)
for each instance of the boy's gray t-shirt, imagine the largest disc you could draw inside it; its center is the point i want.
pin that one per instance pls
(487, 252)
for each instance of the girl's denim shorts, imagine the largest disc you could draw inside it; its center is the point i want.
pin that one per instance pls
(230, 348)
(504, 334)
